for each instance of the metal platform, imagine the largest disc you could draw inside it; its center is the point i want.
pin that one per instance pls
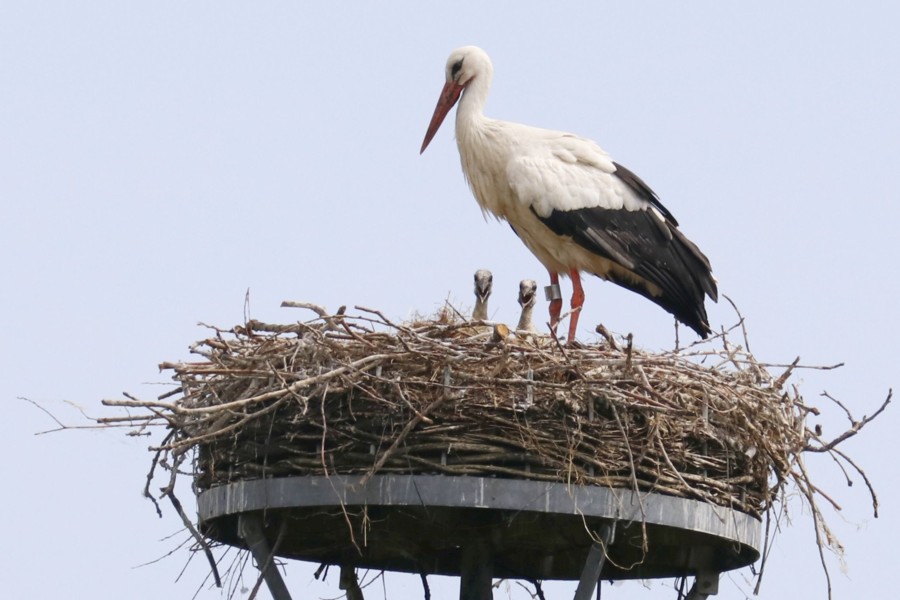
(440, 524)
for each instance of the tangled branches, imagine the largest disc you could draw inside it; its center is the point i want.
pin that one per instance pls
(361, 394)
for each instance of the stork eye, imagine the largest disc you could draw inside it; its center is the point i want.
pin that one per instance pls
(455, 69)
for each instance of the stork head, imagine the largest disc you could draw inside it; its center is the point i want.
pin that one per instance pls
(464, 66)
(527, 292)
(484, 281)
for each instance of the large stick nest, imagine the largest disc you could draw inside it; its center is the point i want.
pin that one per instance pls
(342, 394)
(361, 394)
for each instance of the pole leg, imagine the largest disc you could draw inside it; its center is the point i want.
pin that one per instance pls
(593, 565)
(706, 584)
(476, 572)
(349, 583)
(250, 528)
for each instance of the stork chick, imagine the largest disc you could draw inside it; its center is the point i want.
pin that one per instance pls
(484, 282)
(527, 297)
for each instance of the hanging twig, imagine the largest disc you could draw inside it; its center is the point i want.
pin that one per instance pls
(201, 541)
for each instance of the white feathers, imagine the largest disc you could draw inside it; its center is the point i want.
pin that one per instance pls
(555, 171)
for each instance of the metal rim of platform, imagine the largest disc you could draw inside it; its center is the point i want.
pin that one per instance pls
(480, 493)
(697, 538)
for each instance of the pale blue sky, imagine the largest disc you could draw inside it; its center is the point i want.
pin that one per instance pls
(159, 159)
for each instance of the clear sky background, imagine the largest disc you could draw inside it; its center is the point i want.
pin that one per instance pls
(157, 160)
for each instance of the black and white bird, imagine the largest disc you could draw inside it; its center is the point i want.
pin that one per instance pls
(484, 282)
(527, 298)
(571, 204)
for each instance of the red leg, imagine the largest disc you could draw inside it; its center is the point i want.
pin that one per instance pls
(555, 305)
(577, 303)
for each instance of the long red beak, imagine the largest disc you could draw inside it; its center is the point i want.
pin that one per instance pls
(449, 96)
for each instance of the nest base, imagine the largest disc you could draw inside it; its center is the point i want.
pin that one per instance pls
(534, 530)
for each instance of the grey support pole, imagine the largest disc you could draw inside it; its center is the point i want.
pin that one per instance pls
(706, 584)
(349, 583)
(251, 530)
(593, 565)
(476, 572)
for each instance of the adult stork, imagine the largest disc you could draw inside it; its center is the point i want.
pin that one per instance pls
(571, 204)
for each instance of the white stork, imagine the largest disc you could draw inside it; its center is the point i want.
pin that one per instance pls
(484, 282)
(571, 204)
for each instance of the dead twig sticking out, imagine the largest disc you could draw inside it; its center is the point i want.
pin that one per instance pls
(628, 348)
(855, 426)
(201, 541)
(610, 340)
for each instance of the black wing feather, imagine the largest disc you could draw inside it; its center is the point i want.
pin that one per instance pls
(650, 247)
